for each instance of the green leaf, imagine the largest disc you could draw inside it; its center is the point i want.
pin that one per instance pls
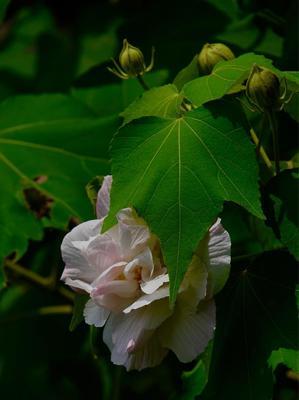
(44, 177)
(194, 381)
(187, 74)
(79, 305)
(178, 172)
(287, 357)
(163, 101)
(283, 209)
(111, 99)
(225, 75)
(256, 313)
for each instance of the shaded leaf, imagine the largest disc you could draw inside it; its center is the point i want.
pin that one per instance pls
(3, 7)
(256, 313)
(29, 150)
(178, 172)
(113, 98)
(283, 209)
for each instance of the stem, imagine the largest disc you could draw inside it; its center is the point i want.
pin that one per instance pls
(116, 383)
(142, 82)
(273, 128)
(262, 151)
(44, 282)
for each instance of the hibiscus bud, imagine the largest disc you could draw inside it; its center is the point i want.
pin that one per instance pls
(263, 88)
(131, 59)
(211, 54)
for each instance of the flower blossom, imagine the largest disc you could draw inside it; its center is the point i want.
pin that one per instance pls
(123, 272)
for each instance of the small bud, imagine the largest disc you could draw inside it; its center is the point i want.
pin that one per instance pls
(211, 54)
(263, 89)
(131, 60)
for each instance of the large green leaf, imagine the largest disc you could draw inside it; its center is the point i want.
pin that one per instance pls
(225, 75)
(163, 101)
(288, 357)
(256, 313)
(178, 172)
(48, 146)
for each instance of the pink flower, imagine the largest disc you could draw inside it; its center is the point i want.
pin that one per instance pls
(122, 270)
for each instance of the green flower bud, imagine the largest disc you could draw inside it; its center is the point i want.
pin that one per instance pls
(211, 54)
(263, 89)
(131, 60)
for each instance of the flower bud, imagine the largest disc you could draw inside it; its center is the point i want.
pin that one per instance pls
(211, 54)
(131, 60)
(263, 88)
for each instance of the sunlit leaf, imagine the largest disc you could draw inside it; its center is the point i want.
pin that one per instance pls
(223, 78)
(163, 101)
(178, 172)
(287, 357)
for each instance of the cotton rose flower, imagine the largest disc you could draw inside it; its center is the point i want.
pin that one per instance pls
(123, 272)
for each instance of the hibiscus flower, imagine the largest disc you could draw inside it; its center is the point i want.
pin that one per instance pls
(124, 274)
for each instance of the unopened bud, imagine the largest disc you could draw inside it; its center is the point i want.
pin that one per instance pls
(131, 59)
(211, 54)
(263, 88)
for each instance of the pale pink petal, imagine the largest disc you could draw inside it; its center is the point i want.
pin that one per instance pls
(121, 288)
(112, 302)
(124, 329)
(149, 355)
(219, 256)
(104, 251)
(147, 299)
(196, 278)
(133, 236)
(103, 200)
(188, 334)
(78, 271)
(95, 315)
(153, 284)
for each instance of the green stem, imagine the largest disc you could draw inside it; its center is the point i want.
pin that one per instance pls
(44, 282)
(142, 82)
(273, 128)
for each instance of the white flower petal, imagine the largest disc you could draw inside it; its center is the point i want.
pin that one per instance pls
(95, 315)
(143, 260)
(153, 284)
(147, 299)
(103, 199)
(77, 268)
(219, 253)
(187, 334)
